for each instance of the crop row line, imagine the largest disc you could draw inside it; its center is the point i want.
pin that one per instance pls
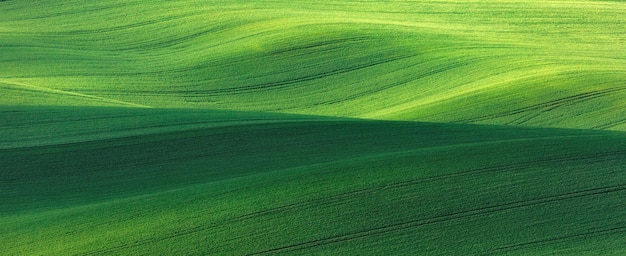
(611, 124)
(321, 43)
(125, 26)
(402, 184)
(608, 231)
(428, 73)
(280, 84)
(547, 106)
(347, 195)
(443, 218)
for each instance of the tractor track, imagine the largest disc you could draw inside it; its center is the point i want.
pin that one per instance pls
(339, 198)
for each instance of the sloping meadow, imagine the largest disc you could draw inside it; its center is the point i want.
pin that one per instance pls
(295, 185)
(312, 128)
(533, 63)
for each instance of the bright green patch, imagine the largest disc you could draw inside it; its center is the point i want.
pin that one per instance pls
(495, 62)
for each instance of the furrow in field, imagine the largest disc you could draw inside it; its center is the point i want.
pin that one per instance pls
(212, 55)
(546, 106)
(401, 82)
(342, 198)
(120, 28)
(605, 156)
(589, 234)
(34, 88)
(611, 125)
(280, 84)
(445, 218)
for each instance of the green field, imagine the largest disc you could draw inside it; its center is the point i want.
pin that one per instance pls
(312, 127)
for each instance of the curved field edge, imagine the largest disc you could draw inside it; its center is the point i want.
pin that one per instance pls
(517, 195)
(31, 126)
(531, 63)
(80, 154)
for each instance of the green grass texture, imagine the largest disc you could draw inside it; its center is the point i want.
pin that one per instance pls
(335, 127)
(533, 63)
(310, 187)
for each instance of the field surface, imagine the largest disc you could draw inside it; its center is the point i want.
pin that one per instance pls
(312, 127)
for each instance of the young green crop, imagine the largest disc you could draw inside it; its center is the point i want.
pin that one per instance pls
(537, 63)
(265, 127)
(317, 186)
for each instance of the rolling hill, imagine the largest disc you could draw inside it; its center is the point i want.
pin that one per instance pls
(536, 63)
(301, 186)
(312, 127)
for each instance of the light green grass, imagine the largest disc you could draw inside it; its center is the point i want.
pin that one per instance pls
(495, 62)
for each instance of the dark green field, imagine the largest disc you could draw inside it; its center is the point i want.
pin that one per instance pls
(312, 128)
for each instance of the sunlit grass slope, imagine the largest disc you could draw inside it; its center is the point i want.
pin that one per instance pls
(540, 63)
(229, 127)
(308, 187)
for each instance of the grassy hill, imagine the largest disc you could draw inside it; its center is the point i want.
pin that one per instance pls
(316, 187)
(539, 63)
(312, 128)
